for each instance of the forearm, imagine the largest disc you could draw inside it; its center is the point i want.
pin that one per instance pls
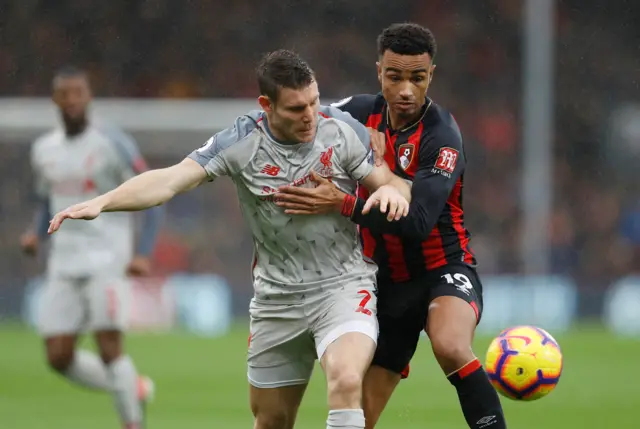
(41, 219)
(416, 225)
(402, 186)
(141, 192)
(149, 233)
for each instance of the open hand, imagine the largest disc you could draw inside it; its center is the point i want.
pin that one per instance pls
(388, 197)
(325, 198)
(87, 210)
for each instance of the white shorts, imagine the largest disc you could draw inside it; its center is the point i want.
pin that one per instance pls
(286, 339)
(71, 305)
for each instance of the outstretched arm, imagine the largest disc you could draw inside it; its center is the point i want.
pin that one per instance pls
(149, 189)
(154, 187)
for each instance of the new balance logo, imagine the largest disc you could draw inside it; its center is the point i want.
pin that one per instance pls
(486, 421)
(271, 170)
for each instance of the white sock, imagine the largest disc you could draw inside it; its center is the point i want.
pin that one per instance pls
(124, 379)
(345, 419)
(88, 370)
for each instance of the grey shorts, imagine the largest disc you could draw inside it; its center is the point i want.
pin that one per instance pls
(286, 339)
(71, 305)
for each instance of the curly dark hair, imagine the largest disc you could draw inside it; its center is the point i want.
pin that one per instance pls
(69, 72)
(407, 39)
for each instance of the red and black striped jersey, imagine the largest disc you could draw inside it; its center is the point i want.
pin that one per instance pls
(429, 153)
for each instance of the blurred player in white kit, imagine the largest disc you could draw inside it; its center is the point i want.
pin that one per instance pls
(314, 293)
(86, 287)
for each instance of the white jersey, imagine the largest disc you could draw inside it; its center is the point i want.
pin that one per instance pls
(69, 170)
(293, 253)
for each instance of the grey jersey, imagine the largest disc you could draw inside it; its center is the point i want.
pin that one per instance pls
(293, 253)
(69, 170)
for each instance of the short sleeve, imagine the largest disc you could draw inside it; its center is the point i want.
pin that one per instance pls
(212, 156)
(355, 156)
(41, 185)
(128, 161)
(344, 116)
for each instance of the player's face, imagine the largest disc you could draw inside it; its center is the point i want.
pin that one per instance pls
(72, 96)
(405, 80)
(294, 116)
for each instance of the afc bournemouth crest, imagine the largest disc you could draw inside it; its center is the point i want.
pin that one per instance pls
(405, 155)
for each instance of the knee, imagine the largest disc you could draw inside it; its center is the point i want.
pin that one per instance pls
(109, 355)
(272, 419)
(345, 383)
(110, 346)
(59, 359)
(451, 348)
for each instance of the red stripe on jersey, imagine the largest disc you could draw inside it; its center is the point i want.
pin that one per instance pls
(374, 121)
(414, 139)
(433, 251)
(457, 220)
(323, 115)
(397, 263)
(362, 192)
(390, 153)
(368, 243)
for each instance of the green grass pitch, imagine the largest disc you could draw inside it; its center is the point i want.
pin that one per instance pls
(201, 384)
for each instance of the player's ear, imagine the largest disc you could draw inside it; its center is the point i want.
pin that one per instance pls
(379, 70)
(55, 97)
(265, 103)
(432, 69)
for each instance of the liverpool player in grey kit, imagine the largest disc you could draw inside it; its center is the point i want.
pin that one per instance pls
(86, 288)
(314, 292)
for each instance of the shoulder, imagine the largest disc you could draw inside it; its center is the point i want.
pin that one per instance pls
(359, 101)
(343, 130)
(116, 137)
(47, 141)
(242, 128)
(347, 122)
(122, 146)
(232, 147)
(51, 137)
(440, 128)
(360, 106)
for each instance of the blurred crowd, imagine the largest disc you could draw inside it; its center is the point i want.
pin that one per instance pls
(201, 48)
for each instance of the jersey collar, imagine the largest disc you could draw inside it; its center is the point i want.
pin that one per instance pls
(425, 107)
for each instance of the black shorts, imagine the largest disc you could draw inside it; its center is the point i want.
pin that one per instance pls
(403, 309)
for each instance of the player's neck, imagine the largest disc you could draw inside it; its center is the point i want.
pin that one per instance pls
(73, 129)
(397, 122)
(275, 134)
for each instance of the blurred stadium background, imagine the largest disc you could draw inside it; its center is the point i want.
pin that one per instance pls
(551, 119)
